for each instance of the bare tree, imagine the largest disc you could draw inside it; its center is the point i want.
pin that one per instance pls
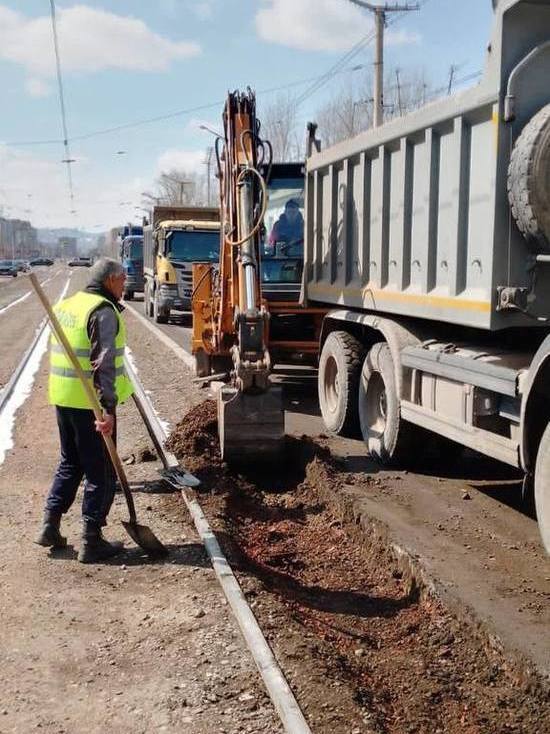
(347, 113)
(405, 91)
(350, 108)
(279, 126)
(178, 187)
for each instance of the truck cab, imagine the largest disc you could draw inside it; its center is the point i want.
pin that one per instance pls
(176, 238)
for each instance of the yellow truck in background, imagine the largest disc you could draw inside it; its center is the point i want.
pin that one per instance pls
(174, 239)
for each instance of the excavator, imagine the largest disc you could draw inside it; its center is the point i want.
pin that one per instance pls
(231, 318)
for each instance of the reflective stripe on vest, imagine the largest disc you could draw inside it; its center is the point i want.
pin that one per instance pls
(58, 349)
(65, 389)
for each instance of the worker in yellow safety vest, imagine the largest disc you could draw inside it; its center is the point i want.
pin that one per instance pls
(92, 321)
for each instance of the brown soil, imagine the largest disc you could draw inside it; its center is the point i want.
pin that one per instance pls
(364, 649)
(195, 438)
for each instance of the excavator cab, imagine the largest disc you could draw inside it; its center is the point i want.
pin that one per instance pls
(282, 244)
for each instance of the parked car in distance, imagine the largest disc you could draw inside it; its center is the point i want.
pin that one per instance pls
(84, 262)
(22, 265)
(41, 261)
(7, 267)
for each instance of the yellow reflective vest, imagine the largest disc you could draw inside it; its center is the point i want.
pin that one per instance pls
(64, 387)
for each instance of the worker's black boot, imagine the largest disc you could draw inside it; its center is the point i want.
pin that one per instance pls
(94, 547)
(49, 536)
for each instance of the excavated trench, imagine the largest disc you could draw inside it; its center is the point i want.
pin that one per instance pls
(364, 645)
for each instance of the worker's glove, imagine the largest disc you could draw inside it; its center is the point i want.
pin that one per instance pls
(106, 425)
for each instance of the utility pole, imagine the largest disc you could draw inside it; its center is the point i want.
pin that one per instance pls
(380, 13)
(452, 72)
(399, 103)
(208, 163)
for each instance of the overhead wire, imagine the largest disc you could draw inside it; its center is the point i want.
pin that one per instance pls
(318, 83)
(169, 115)
(68, 159)
(354, 50)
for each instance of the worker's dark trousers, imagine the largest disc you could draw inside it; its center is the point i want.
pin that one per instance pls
(83, 454)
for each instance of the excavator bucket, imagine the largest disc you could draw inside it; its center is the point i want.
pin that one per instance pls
(251, 426)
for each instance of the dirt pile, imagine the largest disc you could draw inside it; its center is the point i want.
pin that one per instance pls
(364, 651)
(194, 440)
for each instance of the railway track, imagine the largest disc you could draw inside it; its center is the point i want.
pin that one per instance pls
(25, 296)
(274, 679)
(13, 397)
(18, 387)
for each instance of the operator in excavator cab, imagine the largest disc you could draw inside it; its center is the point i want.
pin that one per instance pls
(288, 231)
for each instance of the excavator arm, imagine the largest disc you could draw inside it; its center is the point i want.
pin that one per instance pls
(230, 319)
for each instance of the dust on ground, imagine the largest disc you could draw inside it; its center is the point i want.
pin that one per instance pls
(362, 647)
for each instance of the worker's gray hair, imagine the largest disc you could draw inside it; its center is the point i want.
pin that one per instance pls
(103, 269)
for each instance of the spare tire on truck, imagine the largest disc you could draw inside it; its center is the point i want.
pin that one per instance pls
(529, 181)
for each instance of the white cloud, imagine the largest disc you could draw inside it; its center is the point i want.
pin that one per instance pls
(185, 160)
(318, 25)
(37, 87)
(90, 40)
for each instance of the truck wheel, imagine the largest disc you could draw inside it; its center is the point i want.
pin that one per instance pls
(386, 436)
(160, 317)
(529, 181)
(542, 488)
(146, 301)
(129, 296)
(338, 382)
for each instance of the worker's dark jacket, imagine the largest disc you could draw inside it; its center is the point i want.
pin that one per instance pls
(102, 330)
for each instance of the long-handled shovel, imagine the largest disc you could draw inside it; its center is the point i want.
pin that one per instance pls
(140, 534)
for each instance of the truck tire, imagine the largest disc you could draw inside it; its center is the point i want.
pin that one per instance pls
(529, 181)
(338, 382)
(542, 488)
(147, 305)
(386, 436)
(159, 316)
(129, 295)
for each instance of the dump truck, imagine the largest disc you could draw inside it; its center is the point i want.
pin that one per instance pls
(427, 240)
(175, 238)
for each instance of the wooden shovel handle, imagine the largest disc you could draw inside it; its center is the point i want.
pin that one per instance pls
(90, 392)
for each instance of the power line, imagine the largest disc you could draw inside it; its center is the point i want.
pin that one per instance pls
(68, 160)
(170, 115)
(335, 68)
(318, 82)
(354, 50)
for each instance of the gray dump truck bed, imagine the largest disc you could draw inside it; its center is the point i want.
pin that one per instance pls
(413, 218)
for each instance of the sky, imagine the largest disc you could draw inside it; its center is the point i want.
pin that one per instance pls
(125, 61)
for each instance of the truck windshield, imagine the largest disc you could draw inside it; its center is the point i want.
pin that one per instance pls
(135, 250)
(194, 246)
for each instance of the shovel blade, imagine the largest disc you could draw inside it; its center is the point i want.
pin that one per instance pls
(146, 539)
(179, 478)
